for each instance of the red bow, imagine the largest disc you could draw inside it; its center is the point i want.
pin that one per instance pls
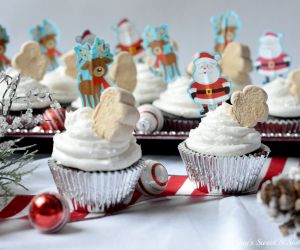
(4, 59)
(159, 58)
(100, 81)
(53, 52)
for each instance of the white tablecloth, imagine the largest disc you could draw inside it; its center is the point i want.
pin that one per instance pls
(172, 223)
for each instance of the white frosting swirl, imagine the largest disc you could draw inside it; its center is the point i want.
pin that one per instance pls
(26, 85)
(281, 103)
(63, 87)
(177, 101)
(218, 134)
(77, 103)
(80, 147)
(148, 86)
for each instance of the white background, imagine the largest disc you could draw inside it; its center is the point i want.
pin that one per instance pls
(188, 20)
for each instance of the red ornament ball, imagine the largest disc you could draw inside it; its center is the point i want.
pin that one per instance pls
(49, 212)
(54, 119)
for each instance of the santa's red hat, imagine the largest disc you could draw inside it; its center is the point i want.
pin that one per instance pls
(272, 34)
(85, 34)
(207, 57)
(122, 22)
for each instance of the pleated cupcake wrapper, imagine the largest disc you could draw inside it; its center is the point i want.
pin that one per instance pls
(279, 126)
(174, 124)
(215, 174)
(95, 191)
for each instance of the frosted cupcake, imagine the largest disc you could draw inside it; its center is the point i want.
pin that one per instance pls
(149, 86)
(180, 111)
(224, 153)
(96, 162)
(284, 105)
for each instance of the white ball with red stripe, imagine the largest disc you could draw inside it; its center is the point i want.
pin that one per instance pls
(54, 119)
(153, 180)
(151, 119)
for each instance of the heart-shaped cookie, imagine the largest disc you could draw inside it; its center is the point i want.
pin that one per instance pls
(30, 61)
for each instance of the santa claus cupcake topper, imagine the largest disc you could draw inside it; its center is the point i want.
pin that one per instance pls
(272, 61)
(226, 28)
(208, 88)
(4, 39)
(92, 65)
(129, 39)
(46, 35)
(157, 42)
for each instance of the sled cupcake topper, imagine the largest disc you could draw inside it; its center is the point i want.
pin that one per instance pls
(208, 88)
(92, 65)
(226, 28)
(4, 39)
(157, 42)
(46, 35)
(129, 38)
(272, 61)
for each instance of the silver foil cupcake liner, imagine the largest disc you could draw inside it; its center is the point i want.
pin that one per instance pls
(233, 174)
(95, 191)
(279, 126)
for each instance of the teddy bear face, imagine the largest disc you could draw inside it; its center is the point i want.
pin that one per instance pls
(49, 42)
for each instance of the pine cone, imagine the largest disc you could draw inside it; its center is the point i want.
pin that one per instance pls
(281, 196)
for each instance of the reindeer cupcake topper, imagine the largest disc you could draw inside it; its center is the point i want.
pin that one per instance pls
(46, 35)
(4, 39)
(226, 28)
(208, 88)
(129, 39)
(272, 61)
(157, 42)
(92, 65)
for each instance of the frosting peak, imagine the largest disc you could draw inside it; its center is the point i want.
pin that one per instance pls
(218, 134)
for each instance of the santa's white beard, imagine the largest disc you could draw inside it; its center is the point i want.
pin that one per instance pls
(269, 52)
(130, 37)
(208, 78)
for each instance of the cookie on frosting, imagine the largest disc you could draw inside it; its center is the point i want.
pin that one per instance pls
(115, 116)
(69, 60)
(30, 61)
(249, 106)
(236, 63)
(123, 71)
(294, 83)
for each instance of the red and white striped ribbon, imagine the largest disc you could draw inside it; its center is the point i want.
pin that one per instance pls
(17, 207)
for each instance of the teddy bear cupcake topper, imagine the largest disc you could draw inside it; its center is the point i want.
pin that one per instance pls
(129, 39)
(92, 64)
(226, 28)
(156, 40)
(208, 88)
(4, 40)
(46, 35)
(272, 61)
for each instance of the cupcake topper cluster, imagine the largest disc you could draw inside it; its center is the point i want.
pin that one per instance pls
(115, 116)
(249, 106)
(92, 65)
(129, 39)
(226, 28)
(30, 61)
(46, 35)
(294, 83)
(208, 88)
(4, 39)
(157, 42)
(272, 61)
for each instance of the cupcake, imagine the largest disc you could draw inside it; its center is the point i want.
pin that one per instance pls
(224, 153)
(149, 86)
(180, 111)
(31, 64)
(63, 80)
(96, 162)
(284, 106)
